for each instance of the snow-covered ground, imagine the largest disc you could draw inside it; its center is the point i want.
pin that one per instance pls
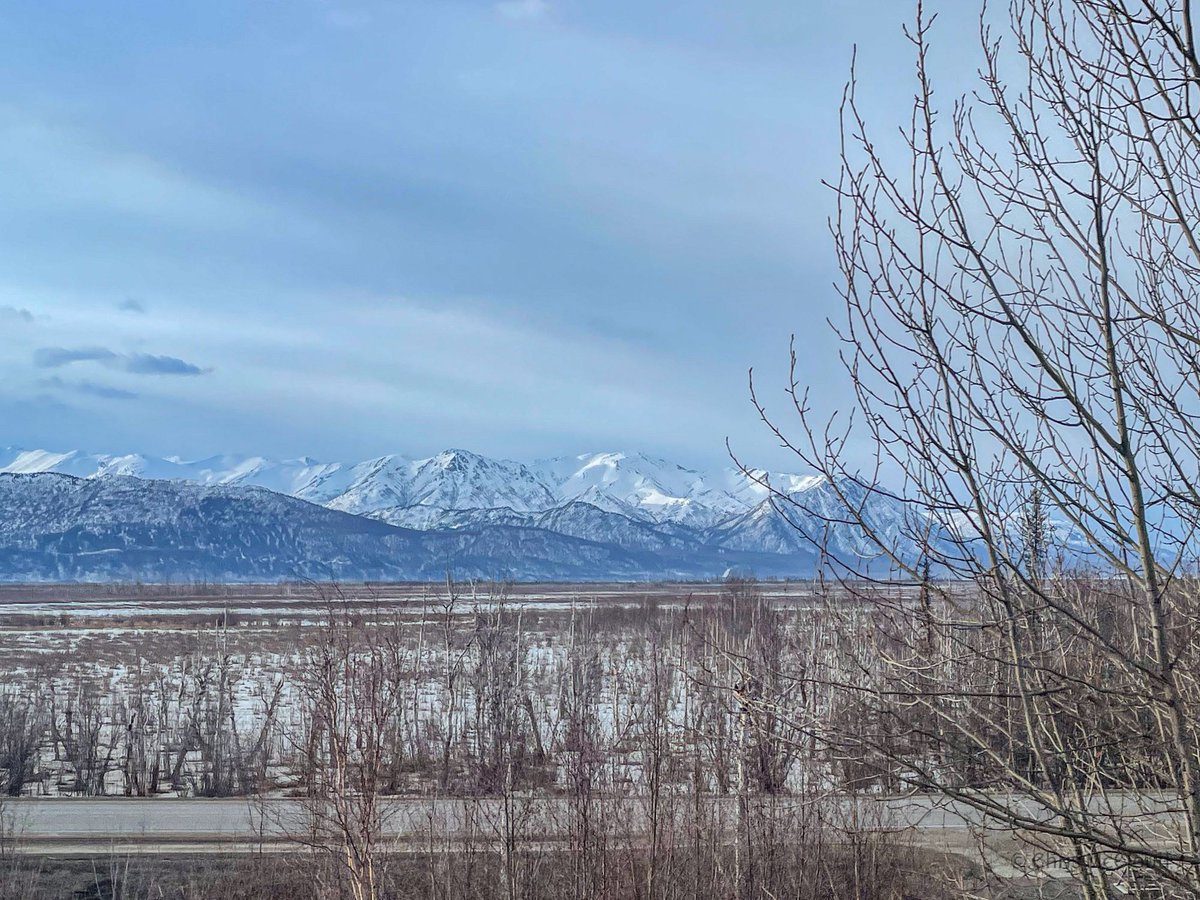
(140, 662)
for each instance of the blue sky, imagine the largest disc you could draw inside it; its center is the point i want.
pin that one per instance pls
(341, 229)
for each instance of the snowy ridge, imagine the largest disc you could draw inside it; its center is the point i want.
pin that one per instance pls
(61, 528)
(672, 519)
(632, 484)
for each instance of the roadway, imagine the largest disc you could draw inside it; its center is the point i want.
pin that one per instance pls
(170, 824)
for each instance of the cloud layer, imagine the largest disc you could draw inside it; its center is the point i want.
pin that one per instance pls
(133, 363)
(87, 388)
(15, 314)
(524, 226)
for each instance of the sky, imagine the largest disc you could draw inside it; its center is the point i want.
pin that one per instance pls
(343, 229)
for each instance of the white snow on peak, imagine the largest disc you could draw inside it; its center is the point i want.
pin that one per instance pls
(27, 462)
(634, 485)
(631, 479)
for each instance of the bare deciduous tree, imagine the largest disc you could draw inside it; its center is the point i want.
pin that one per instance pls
(354, 694)
(1023, 321)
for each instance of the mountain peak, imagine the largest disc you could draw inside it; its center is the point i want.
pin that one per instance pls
(630, 483)
(580, 510)
(612, 458)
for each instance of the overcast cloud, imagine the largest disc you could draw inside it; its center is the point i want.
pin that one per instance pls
(528, 227)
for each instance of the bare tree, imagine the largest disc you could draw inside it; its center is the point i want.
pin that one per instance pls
(353, 693)
(80, 730)
(22, 726)
(1023, 325)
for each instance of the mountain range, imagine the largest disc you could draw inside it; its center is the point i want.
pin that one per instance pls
(79, 516)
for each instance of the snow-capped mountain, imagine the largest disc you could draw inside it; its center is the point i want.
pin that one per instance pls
(627, 512)
(292, 477)
(62, 528)
(457, 479)
(631, 484)
(635, 484)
